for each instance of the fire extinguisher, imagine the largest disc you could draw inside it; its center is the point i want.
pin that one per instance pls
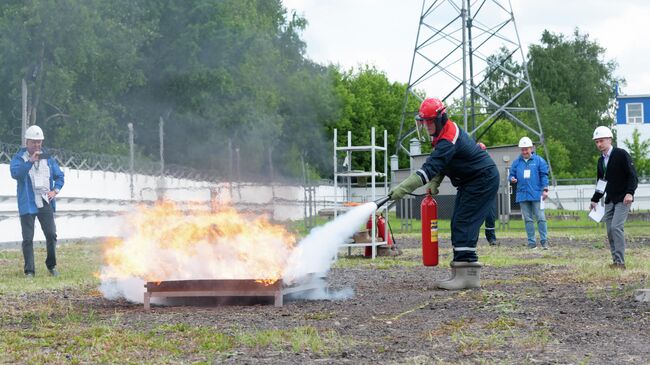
(367, 252)
(382, 232)
(429, 216)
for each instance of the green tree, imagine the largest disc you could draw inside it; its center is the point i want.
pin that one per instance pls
(234, 73)
(77, 58)
(221, 73)
(369, 99)
(573, 85)
(640, 152)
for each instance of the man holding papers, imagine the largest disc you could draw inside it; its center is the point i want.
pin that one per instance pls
(617, 182)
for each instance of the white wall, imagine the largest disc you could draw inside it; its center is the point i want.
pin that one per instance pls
(578, 197)
(91, 203)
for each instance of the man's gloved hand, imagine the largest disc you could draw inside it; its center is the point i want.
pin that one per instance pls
(411, 183)
(434, 184)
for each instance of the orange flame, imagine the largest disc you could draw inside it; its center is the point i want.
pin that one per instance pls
(170, 243)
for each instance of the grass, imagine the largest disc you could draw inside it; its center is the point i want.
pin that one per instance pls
(538, 338)
(409, 258)
(49, 320)
(63, 335)
(501, 334)
(571, 264)
(39, 324)
(320, 316)
(474, 343)
(77, 262)
(582, 227)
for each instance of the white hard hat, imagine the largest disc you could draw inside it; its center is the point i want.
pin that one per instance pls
(603, 132)
(34, 132)
(525, 142)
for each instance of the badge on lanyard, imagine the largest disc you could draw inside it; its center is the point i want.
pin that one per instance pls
(601, 185)
(527, 174)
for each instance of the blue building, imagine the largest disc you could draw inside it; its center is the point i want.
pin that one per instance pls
(632, 112)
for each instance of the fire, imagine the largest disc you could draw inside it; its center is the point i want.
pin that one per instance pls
(169, 243)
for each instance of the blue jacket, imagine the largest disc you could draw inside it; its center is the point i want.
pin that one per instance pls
(529, 189)
(25, 193)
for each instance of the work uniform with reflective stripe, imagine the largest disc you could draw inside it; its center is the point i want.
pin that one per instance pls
(472, 171)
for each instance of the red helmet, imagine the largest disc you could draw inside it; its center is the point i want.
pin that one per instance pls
(430, 108)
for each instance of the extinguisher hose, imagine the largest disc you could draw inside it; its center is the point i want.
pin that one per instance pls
(391, 232)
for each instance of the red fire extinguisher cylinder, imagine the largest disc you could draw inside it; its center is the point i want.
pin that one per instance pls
(429, 217)
(382, 232)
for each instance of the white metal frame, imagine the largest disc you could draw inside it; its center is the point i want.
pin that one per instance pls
(373, 149)
(627, 114)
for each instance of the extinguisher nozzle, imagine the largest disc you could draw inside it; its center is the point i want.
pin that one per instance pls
(382, 201)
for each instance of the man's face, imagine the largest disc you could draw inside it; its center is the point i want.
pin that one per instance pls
(431, 126)
(33, 145)
(603, 144)
(526, 152)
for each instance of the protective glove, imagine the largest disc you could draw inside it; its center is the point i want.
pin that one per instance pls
(434, 184)
(411, 183)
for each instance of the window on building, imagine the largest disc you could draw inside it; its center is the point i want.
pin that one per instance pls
(634, 113)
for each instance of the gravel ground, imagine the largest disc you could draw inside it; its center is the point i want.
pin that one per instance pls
(523, 314)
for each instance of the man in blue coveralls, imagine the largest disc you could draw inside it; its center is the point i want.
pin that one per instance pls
(530, 172)
(472, 172)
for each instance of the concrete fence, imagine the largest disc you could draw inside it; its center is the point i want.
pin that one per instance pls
(93, 203)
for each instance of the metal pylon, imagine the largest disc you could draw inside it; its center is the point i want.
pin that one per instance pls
(461, 47)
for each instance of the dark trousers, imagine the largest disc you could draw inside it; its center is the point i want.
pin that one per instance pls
(490, 223)
(46, 219)
(473, 202)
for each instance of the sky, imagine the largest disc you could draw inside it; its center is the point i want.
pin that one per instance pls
(383, 32)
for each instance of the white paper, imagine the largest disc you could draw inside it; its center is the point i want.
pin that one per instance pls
(526, 174)
(542, 202)
(601, 185)
(597, 213)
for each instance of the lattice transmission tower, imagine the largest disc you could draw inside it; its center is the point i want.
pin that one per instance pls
(468, 54)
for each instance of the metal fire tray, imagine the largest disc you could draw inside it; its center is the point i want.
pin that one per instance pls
(224, 288)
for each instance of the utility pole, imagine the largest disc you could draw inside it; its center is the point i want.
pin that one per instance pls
(230, 167)
(463, 15)
(131, 160)
(161, 135)
(24, 113)
(238, 161)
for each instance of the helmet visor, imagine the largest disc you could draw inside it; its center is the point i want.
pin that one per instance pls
(421, 128)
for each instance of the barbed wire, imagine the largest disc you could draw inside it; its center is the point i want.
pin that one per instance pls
(114, 163)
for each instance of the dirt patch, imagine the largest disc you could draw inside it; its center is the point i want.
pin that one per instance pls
(519, 316)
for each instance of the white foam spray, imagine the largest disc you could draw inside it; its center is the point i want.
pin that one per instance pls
(131, 289)
(315, 253)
